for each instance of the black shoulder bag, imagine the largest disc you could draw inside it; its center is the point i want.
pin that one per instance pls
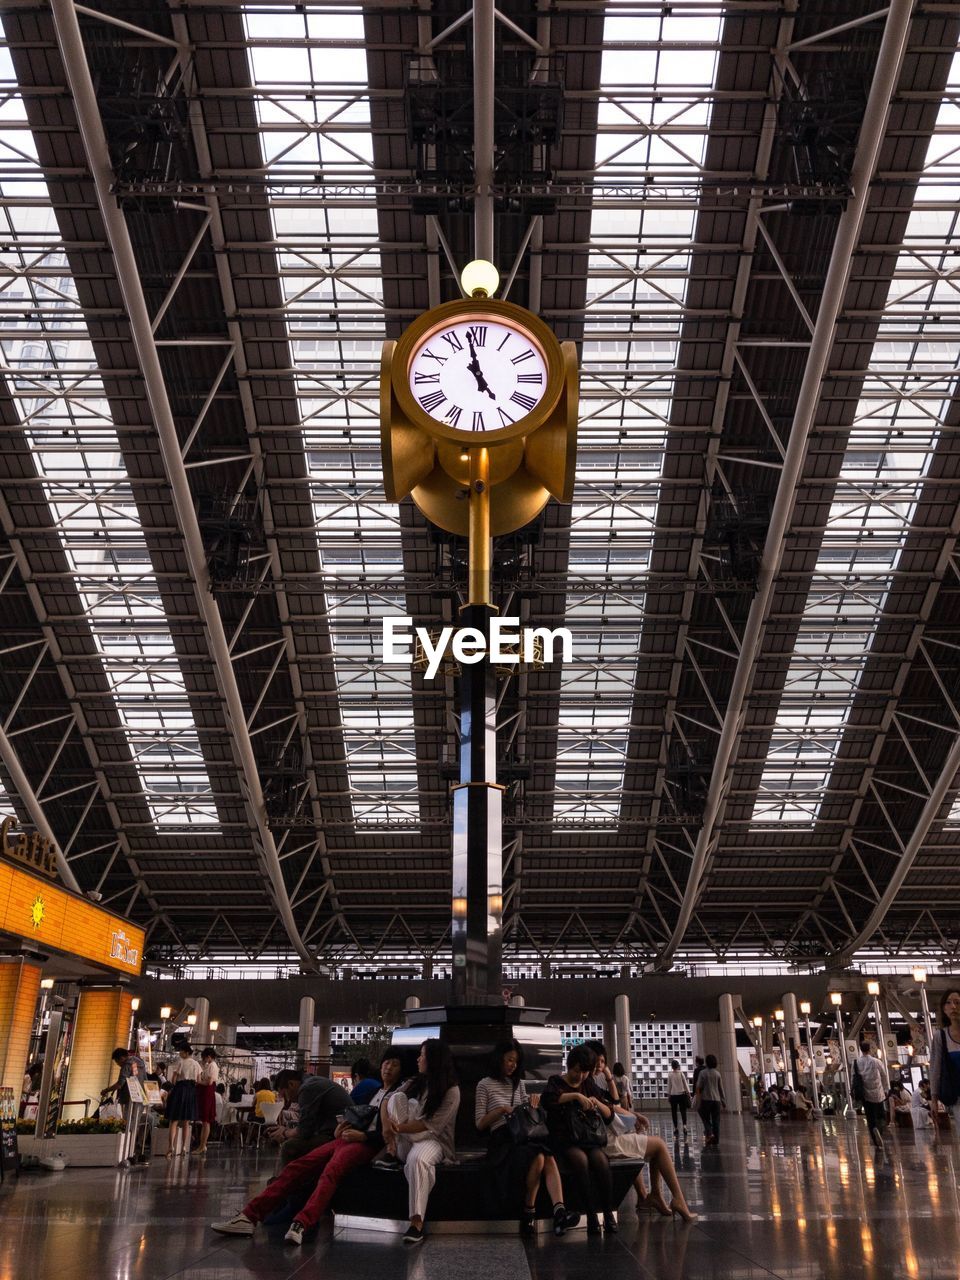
(527, 1123)
(582, 1128)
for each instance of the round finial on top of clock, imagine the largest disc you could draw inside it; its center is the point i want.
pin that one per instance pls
(479, 279)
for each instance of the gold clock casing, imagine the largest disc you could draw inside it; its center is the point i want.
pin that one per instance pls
(529, 460)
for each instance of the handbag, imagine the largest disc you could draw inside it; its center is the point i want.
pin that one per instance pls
(582, 1128)
(527, 1123)
(359, 1115)
(947, 1090)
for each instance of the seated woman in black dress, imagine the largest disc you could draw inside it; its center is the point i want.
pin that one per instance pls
(588, 1166)
(520, 1167)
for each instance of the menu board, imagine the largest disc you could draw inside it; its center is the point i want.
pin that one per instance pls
(9, 1155)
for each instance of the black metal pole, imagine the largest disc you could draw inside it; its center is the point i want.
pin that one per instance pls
(477, 905)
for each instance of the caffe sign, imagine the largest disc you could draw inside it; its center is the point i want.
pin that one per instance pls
(34, 850)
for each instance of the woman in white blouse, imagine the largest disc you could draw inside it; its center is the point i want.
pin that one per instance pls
(182, 1099)
(418, 1127)
(520, 1167)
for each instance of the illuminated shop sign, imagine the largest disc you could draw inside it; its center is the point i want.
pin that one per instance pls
(34, 850)
(50, 916)
(122, 949)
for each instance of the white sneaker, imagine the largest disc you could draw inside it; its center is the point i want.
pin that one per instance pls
(295, 1233)
(237, 1226)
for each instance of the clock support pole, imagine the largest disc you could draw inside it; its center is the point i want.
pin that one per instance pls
(477, 900)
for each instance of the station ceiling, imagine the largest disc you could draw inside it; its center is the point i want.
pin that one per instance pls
(744, 214)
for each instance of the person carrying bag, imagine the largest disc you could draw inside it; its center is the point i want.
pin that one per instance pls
(577, 1120)
(518, 1145)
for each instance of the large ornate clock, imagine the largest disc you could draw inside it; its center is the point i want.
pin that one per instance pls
(472, 374)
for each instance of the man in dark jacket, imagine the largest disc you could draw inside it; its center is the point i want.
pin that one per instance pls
(320, 1101)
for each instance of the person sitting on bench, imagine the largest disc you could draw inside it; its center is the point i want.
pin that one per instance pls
(519, 1167)
(325, 1167)
(418, 1128)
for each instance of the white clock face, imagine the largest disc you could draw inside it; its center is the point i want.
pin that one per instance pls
(478, 375)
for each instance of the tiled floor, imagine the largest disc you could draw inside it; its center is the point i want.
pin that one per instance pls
(798, 1202)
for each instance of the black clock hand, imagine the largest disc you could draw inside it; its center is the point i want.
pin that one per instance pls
(474, 367)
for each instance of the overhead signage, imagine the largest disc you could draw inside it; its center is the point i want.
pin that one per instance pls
(47, 915)
(34, 850)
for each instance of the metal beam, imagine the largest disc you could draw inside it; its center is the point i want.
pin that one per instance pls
(886, 76)
(90, 124)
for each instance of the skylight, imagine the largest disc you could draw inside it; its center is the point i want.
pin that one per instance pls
(639, 261)
(55, 386)
(314, 112)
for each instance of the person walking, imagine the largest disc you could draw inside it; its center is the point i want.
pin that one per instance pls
(874, 1093)
(207, 1096)
(679, 1094)
(182, 1099)
(710, 1101)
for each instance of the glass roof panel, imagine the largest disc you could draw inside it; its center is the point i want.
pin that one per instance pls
(330, 271)
(653, 114)
(48, 364)
(906, 393)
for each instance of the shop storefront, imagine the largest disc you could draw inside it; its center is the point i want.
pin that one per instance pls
(65, 1000)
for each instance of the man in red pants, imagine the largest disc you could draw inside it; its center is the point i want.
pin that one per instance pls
(324, 1168)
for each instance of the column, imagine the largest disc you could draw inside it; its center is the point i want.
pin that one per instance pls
(19, 989)
(308, 1013)
(729, 1063)
(791, 1033)
(412, 1002)
(102, 1025)
(200, 1034)
(621, 1049)
(517, 1002)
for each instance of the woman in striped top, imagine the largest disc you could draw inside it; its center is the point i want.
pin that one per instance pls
(519, 1167)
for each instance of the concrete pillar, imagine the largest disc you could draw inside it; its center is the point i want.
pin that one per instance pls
(19, 989)
(729, 1065)
(518, 1002)
(323, 1040)
(791, 1033)
(102, 1025)
(621, 1046)
(224, 1037)
(308, 1010)
(412, 1002)
(200, 1034)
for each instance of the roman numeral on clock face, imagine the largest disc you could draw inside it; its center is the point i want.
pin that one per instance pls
(536, 378)
(524, 401)
(477, 334)
(431, 401)
(524, 355)
(453, 340)
(478, 423)
(453, 415)
(420, 378)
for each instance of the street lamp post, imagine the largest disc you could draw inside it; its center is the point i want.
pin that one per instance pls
(815, 1093)
(780, 1039)
(920, 978)
(165, 1013)
(873, 990)
(836, 999)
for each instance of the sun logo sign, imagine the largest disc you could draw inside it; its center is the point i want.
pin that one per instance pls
(37, 912)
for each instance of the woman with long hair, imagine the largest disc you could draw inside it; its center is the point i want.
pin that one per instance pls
(945, 1059)
(519, 1167)
(418, 1128)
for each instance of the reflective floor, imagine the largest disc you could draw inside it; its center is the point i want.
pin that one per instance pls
(795, 1202)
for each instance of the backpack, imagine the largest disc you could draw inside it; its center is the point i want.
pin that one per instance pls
(856, 1085)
